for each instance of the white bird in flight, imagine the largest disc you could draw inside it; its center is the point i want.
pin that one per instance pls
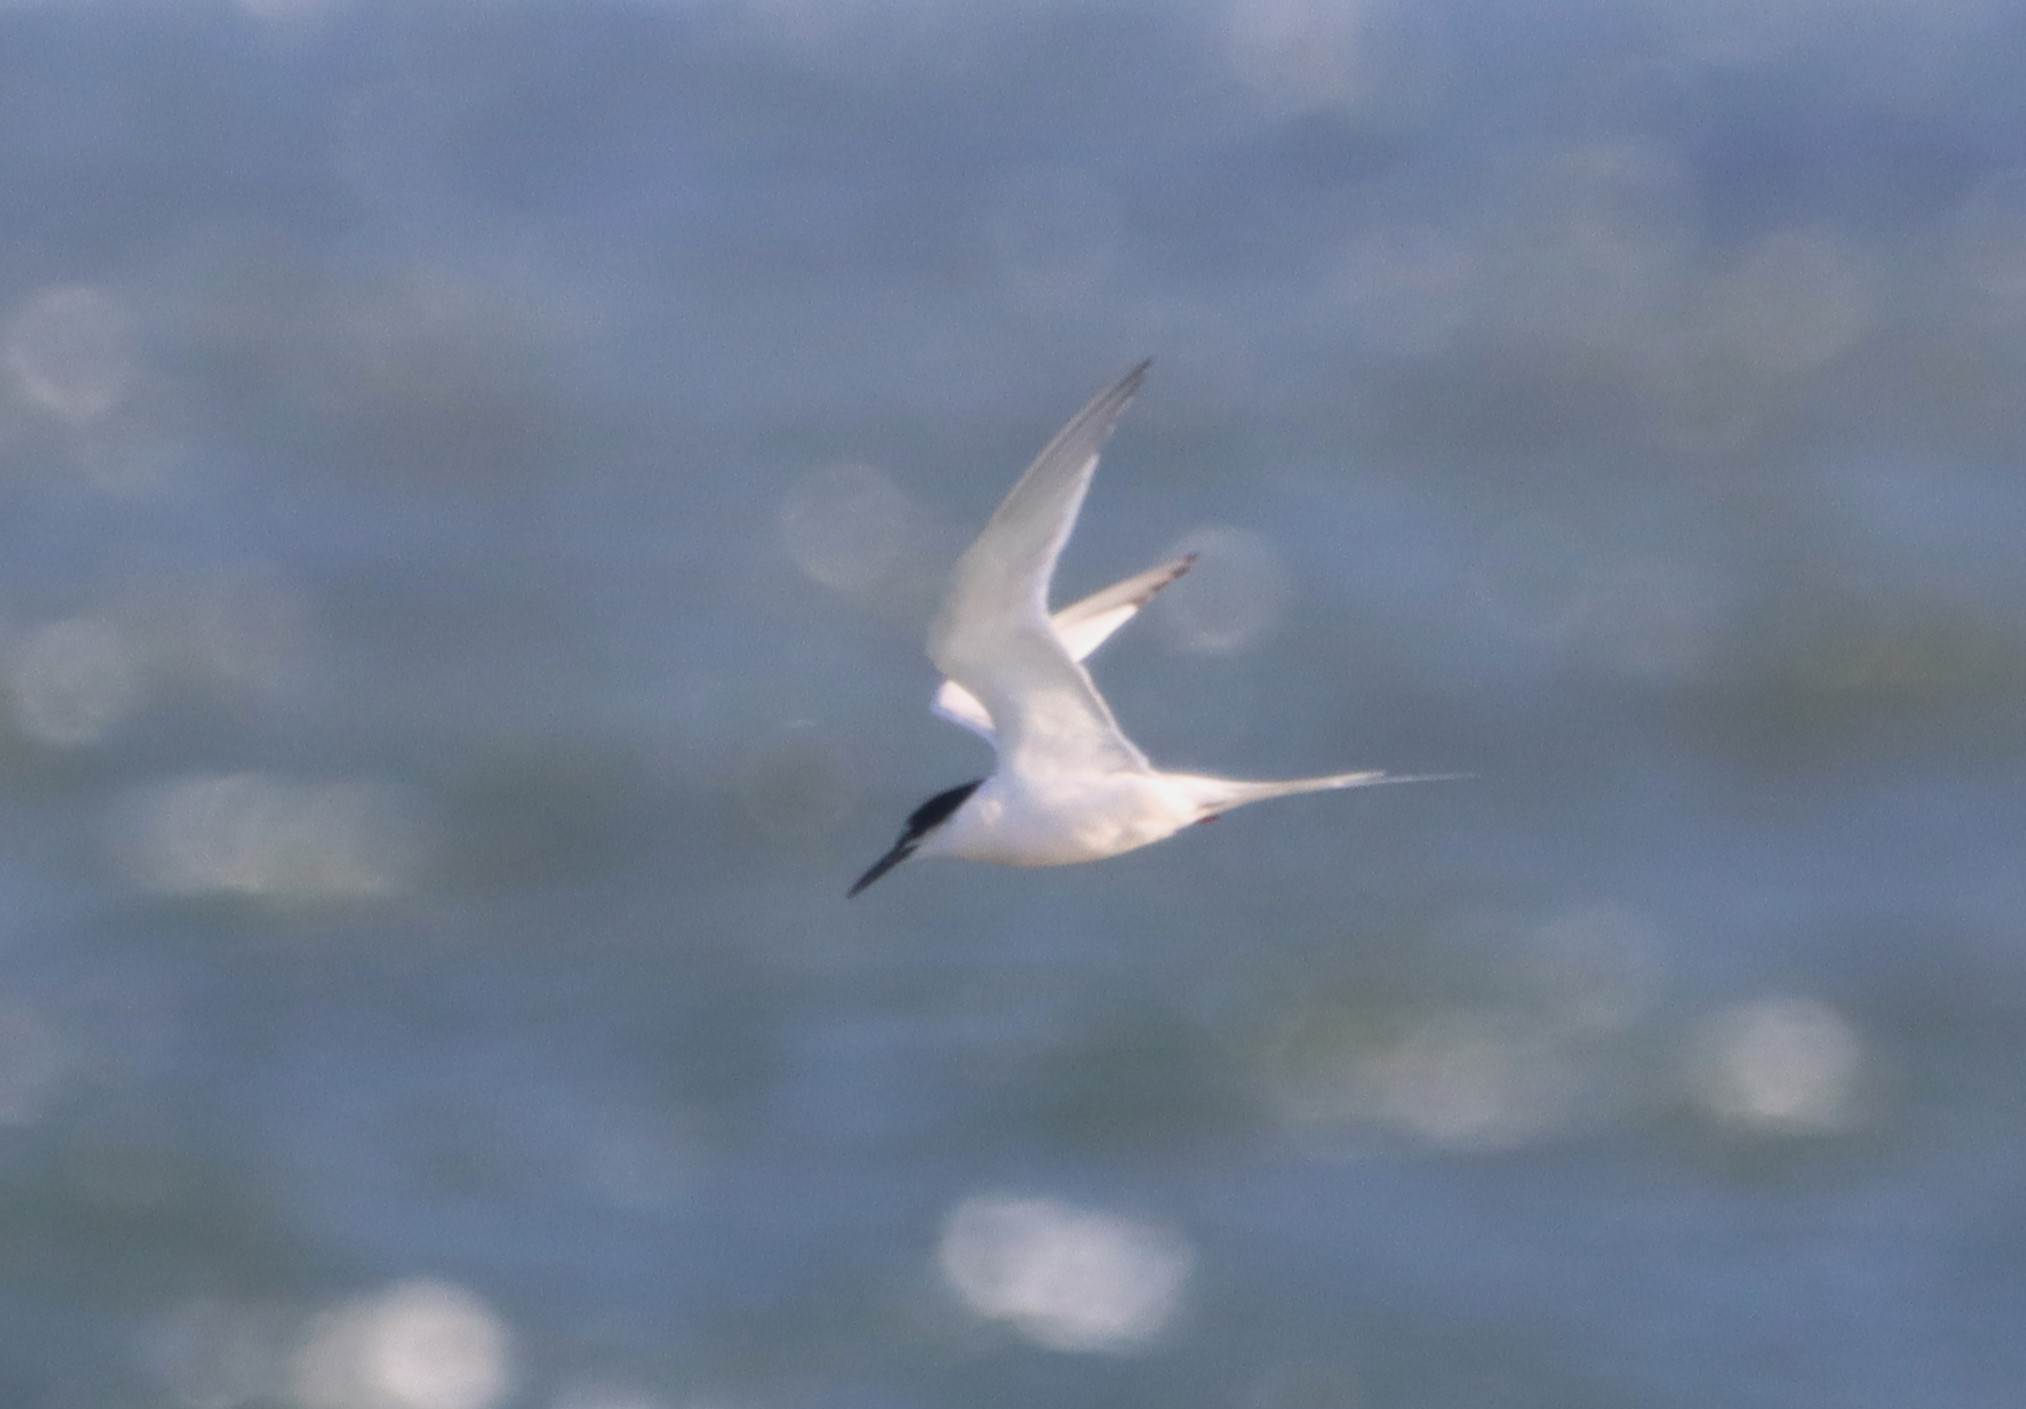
(1070, 786)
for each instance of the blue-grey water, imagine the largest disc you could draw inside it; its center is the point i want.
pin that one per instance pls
(473, 480)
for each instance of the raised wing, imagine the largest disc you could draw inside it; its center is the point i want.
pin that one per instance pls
(993, 637)
(1089, 623)
(1083, 628)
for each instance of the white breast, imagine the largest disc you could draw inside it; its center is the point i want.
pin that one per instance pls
(1062, 820)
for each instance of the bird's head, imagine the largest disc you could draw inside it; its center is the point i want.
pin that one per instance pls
(922, 821)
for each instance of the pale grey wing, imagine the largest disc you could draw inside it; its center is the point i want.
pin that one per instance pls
(1089, 624)
(958, 705)
(1083, 628)
(993, 637)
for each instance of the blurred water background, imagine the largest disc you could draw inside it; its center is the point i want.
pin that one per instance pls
(473, 479)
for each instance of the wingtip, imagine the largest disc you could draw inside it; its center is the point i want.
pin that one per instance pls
(1171, 572)
(1162, 578)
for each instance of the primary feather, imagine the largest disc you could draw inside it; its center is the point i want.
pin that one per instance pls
(993, 636)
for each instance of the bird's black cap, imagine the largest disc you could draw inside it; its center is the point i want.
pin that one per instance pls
(923, 820)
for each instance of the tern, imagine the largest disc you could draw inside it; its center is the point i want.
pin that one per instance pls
(1070, 786)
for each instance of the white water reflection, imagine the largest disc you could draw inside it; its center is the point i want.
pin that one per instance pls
(1589, 245)
(1798, 300)
(71, 349)
(1372, 58)
(1235, 594)
(1471, 1078)
(258, 834)
(845, 526)
(1066, 1278)
(1781, 1065)
(416, 1345)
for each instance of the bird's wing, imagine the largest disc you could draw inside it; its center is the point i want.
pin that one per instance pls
(993, 637)
(1089, 624)
(958, 705)
(1083, 628)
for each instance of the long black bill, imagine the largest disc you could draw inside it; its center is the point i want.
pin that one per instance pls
(902, 850)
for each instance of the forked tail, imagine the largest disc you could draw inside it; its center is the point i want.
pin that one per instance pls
(1222, 794)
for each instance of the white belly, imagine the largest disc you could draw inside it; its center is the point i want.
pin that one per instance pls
(1062, 821)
